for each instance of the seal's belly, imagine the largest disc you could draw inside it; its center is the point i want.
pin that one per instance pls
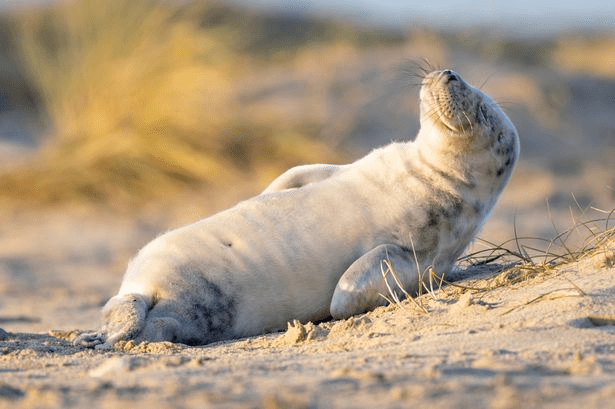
(283, 252)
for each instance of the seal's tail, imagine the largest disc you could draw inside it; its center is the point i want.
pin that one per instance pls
(124, 316)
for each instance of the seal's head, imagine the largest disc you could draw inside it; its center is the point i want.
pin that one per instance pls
(456, 109)
(446, 101)
(466, 128)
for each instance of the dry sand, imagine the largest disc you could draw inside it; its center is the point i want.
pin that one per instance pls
(544, 339)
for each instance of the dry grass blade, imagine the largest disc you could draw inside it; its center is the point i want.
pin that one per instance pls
(421, 274)
(392, 292)
(433, 276)
(577, 290)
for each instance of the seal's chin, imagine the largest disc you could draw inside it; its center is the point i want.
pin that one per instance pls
(446, 100)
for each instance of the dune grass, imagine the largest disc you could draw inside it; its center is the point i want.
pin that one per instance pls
(141, 98)
(140, 101)
(133, 96)
(519, 260)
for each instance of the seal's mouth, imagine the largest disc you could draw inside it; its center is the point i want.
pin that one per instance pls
(446, 99)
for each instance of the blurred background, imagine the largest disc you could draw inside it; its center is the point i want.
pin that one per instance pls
(120, 119)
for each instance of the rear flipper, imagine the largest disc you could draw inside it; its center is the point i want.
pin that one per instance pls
(124, 317)
(161, 329)
(362, 286)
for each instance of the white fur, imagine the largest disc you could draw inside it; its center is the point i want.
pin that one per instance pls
(311, 244)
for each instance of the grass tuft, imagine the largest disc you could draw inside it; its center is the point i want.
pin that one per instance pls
(521, 264)
(140, 98)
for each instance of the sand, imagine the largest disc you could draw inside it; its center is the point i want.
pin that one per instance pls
(535, 337)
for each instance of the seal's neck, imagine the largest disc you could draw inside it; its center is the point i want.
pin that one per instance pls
(443, 146)
(453, 157)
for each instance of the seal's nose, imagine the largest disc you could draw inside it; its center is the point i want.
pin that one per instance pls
(450, 76)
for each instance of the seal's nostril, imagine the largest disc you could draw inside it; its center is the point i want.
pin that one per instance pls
(450, 76)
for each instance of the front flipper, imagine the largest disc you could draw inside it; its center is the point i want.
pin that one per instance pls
(300, 176)
(360, 287)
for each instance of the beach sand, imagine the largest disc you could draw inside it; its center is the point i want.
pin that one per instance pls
(500, 337)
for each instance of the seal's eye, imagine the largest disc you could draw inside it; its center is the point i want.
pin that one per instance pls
(483, 114)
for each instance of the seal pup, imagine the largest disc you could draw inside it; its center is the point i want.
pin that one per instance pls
(311, 245)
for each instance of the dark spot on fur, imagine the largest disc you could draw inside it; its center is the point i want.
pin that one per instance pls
(214, 314)
(405, 250)
(477, 207)
(433, 218)
(440, 219)
(503, 150)
(454, 209)
(509, 160)
(457, 207)
(209, 309)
